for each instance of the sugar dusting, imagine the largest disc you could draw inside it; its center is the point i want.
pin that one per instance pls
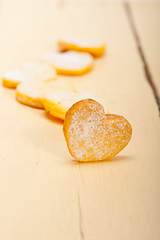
(15, 75)
(92, 137)
(34, 71)
(82, 43)
(26, 101)
(67, 98)
(38, 89)
(71, 60)
(37, 71)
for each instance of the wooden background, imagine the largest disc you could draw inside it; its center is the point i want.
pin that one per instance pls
(44, 193)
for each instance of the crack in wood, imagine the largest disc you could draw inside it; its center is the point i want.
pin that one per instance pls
(80, 218)
(141, 52)
(80, 212)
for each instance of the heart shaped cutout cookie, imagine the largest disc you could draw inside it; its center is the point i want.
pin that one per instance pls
(92, 135)
(96, 48)
(29, 72)
(70, 63)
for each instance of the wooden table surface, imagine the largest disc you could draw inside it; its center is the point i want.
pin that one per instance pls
(44, 193)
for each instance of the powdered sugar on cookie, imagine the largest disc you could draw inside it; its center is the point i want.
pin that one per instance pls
(91, 135)
(70, 63)
(57, 103)
(32, 93)
(35, 71)
(96, 48)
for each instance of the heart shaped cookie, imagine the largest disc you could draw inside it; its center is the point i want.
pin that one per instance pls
(70, 63)
(92, 135)
(96, 48)
(57, 103)
(29, 72)
(32, 93)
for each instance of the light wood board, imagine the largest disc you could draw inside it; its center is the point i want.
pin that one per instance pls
(147, 20)
(44, 193)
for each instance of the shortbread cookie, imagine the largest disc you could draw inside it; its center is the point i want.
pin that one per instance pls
(35, 71)
(57, 103)
(92, 135)
(32, 93)
(70, 63)
(96, 48)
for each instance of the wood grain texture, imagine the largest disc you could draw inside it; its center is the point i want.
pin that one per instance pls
(146, 16)
(44, 193)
